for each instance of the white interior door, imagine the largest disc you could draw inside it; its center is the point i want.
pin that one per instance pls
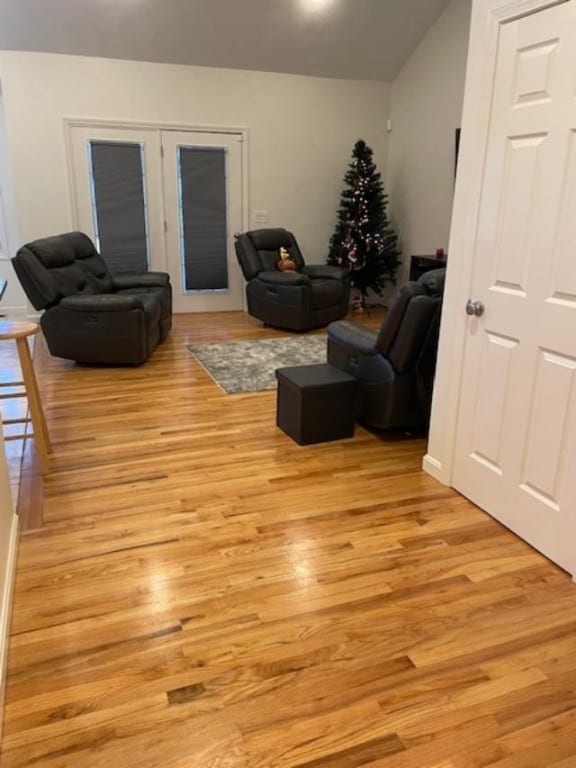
(516, 434)
(118, 194)
(203, 199)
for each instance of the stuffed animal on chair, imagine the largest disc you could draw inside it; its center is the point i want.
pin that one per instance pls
(286, 263)
(310, 296)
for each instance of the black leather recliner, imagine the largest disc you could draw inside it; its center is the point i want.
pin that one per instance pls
(309, 297)
(90, 315)
(394, 366)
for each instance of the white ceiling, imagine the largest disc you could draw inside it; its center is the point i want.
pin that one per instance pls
(359, 39)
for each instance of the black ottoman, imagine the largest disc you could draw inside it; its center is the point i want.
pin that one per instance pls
(315, 403)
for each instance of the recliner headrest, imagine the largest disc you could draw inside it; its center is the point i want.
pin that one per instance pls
(62, 265)
(271, 239)
(258, 250)
(433, 281)
(61, 250)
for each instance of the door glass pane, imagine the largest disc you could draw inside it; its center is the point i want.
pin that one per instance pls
(119, 204)
(203, 218)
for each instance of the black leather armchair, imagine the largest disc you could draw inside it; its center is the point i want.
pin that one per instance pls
(394, 366)
(90, 315)
(309, 297)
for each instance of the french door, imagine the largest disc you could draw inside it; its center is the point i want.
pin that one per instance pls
(164, 200)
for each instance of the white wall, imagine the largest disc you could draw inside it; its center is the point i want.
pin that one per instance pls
(300, 131)
(426, 109)
(13, 297)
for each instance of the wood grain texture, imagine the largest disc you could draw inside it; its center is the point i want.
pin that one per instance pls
(25, 385)
(205, 592)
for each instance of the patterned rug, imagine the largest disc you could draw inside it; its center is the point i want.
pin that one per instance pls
(249, 366)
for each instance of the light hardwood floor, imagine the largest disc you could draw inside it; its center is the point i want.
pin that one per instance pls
(12, 408)
(206, 593)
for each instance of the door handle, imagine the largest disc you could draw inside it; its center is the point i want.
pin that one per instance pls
(475, 308)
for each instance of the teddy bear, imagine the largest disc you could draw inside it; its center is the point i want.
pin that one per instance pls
(286, 263)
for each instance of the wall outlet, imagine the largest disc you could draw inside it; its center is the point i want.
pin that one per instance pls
(389, 126)
(260, 217)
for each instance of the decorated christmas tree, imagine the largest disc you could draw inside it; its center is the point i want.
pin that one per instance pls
(363, 241)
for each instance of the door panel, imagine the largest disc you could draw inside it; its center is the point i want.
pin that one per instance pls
(122, 213)
(491, 401)
(522, 166)
(203, 194)
(516, 434)
(547, 428)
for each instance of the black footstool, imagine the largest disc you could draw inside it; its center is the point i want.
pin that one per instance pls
(315, 403)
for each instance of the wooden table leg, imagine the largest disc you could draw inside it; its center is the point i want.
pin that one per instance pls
(36, 412)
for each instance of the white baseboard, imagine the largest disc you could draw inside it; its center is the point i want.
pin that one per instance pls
(434, 467)
(6, 610)
(20, 312)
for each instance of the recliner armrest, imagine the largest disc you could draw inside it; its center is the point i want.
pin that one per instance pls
(325, 272)
(356, 337)
(140, 280)
(283, 278)
(103, 302)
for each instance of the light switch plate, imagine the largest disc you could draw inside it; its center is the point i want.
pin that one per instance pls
(260, 217)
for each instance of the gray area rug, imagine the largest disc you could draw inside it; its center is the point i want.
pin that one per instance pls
(249, 366)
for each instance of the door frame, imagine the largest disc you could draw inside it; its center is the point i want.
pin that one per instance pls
(487, 17)
(69, 123)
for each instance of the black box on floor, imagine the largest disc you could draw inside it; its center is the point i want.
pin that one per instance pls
(315, 403)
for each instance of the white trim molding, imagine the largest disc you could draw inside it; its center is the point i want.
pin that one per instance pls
(433, 468)
(516, 9)
(487, 18)
(4, 247)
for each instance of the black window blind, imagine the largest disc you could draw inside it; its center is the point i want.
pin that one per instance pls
(203, 216)
(119, 205)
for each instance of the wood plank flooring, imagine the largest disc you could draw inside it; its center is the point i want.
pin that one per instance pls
(205, 592)
(12, 408)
